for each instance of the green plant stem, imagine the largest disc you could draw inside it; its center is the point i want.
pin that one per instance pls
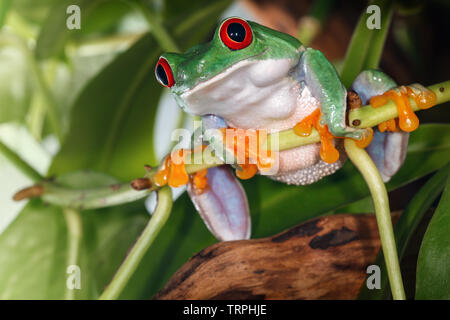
(141, 246)
(160, 33)
(51, 107)
(74, 234)
(407, 224)
(366, 115)
(287, 139)
(370, 117)
(85, 199)
(19, 163)
(365, 165)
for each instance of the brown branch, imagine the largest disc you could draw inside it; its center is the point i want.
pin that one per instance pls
(324, 258)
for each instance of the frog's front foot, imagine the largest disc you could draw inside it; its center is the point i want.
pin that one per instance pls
(328, 152)
(407, 119)
(173, 170)
(245, 145)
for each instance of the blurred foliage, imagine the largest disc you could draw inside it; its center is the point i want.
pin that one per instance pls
(102, 82)
(38, 237)
(433, 270)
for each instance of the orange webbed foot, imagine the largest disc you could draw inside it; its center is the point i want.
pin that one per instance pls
(407, 119)
(328, 152)
(173, 170)
(246, 147)
(304, 127)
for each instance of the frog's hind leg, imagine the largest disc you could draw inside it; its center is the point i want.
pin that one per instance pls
(222, 203)
(387, 149)
(325, 85)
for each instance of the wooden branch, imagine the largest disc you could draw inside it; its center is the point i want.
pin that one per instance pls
(324, 258)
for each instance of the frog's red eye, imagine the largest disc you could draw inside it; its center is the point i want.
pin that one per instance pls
(236, 34)
(163, 73)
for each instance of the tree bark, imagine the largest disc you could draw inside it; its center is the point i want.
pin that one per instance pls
(324, 258)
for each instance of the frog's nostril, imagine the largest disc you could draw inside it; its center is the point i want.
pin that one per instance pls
(163, 73)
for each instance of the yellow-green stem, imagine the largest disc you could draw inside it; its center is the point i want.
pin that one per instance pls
(141, 246)
(287, 139)
(365, 165)
(368, 116)
(74, 234)
(160, 33)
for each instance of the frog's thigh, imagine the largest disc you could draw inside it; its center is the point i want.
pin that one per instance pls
(310, 174)
(302, 166)
(299, 158)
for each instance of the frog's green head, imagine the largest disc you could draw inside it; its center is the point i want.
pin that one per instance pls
(235, 44)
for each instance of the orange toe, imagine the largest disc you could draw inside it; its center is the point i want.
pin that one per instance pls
(366, 139)
(200, 181)
(248, 171)
(328, 152)
(304, 127)
(389, 125)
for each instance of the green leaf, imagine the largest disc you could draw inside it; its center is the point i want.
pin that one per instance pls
(95, 15)
(366, 45)
(433, 268)
(275, 207)
(405, 227)
(34, 248)
(32, 254)
(112, 120)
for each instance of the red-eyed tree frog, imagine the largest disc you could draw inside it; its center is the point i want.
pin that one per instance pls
(253, 77)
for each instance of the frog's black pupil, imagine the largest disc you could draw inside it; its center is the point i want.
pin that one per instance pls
(236, 32)
(161, 74)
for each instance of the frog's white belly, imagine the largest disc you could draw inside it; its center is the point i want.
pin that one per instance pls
(260, 95)
(253, 94)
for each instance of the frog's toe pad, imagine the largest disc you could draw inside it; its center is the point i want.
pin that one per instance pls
(366, 138)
